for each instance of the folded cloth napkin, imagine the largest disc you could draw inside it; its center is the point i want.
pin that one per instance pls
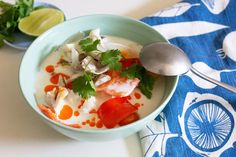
(200, 118)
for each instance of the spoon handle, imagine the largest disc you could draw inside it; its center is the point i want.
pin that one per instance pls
(216, 82)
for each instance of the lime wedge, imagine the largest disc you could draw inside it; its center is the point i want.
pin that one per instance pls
(40, 20)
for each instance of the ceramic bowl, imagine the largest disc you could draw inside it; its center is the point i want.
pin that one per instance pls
(109, 25)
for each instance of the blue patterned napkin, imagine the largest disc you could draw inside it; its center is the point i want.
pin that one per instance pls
(200, 118)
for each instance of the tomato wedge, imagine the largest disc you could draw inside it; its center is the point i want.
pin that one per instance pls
(114, 110)
(130, 119)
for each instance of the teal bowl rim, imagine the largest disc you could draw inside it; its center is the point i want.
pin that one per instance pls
(97, 131)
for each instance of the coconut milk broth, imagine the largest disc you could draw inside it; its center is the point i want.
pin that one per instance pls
(132, 49)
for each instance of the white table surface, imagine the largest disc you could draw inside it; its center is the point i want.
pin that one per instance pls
(22, 133)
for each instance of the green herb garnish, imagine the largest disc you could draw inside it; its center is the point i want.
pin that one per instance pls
(84, 86)
(88, 44)
(112, 59)
(146, 84)
(133, 71)
(24, 8)
(10, 15)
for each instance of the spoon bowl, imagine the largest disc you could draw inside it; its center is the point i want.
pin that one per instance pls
(169, 60)
(164, 59)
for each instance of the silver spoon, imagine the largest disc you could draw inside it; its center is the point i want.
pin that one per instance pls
(169, 60)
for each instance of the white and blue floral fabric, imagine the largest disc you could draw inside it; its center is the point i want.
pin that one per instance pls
(200, 118)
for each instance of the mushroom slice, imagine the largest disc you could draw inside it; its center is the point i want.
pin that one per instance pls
(61, 95)
(91, 65)
(50, 97)
(89, 104)
(75, 58)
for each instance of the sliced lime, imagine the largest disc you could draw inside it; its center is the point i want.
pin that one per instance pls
(40, 20)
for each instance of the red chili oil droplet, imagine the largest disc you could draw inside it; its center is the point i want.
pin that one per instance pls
(69, 85)
(92, 124)
(49, 88)
(66, 112)
(128, 97)
(137, 95)
(93, 111)
(50, 69)
(137, 105)
(93, 119)
(55, 78)
(99, 124)
(87, 121)
(76, 113)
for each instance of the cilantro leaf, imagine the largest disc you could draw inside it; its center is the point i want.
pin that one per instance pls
(10, 16)
(146, 84)
(24, 7)
(133, 71)
(88, 44)
(84, 86)
(7, 18)
(112, 59)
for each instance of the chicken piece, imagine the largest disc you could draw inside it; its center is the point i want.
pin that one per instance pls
(118, 86)
(95, 34)
(63, 103)
(102, 79)
(89, 104)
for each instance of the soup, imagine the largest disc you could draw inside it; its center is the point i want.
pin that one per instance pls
(97, 82)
